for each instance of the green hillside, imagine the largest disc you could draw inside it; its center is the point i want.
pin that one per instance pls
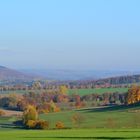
(116, 122)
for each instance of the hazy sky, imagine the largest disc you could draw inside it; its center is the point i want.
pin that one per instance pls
(70, 34)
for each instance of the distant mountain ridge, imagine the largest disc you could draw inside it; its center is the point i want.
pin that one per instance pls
(77, 74)
(118, 80)
(10, 74)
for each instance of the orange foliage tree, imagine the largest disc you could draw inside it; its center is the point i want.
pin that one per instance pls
(133, 95)
(59, 125)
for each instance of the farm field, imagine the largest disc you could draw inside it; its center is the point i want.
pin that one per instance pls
(75, 91)
(96, 90)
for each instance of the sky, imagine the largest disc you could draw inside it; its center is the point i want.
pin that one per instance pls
(70, 34)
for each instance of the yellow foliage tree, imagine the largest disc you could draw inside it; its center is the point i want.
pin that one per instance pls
(30, 113)
(133, 95)
(63, 89)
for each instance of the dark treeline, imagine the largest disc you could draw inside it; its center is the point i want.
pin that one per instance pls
(122, 81)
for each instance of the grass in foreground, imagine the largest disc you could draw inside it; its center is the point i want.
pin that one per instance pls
(73, 134)
(112, 123)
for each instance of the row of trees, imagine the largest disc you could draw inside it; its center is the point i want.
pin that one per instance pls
(55, 102)
(41, 85)
(37, 85)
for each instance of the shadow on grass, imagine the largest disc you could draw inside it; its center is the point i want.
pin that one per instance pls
(10, 126)
(108, 138)
(112, 108)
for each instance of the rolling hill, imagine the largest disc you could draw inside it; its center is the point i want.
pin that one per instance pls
(10, 76)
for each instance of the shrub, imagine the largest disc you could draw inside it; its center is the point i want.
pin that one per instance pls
(45, 111)
(41, 124)
(31, 124)
(57, 109)
(59, 125)
(38, 124)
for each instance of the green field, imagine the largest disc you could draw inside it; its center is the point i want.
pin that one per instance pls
(116, 122)
(14, 91)
(75, 91)
(110, 117)
(96, 90)
(81, 134)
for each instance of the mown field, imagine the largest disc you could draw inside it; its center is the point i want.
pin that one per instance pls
(80, 134)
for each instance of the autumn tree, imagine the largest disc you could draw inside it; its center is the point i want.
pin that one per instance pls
(53, 107)
(30, 114)
(36, 85)
(2, 113)
(133, 95)
(63, 89)
(78, 102)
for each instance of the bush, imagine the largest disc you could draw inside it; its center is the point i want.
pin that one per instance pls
(57, 109)
(59, 125)
(41, 124)
(31, 124)
(38, 124)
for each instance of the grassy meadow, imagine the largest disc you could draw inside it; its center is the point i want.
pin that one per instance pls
(96, 90)
(116, 122)
(73, 134)
(108, 117)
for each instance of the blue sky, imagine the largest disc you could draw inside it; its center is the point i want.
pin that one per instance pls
(70, 34)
